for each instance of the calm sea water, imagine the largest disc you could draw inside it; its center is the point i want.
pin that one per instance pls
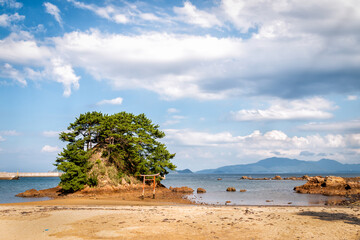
(9, 188)
(258, 192)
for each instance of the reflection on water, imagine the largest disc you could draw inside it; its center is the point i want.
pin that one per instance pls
(259, 192)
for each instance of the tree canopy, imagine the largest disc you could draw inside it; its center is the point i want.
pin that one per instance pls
(127, 142)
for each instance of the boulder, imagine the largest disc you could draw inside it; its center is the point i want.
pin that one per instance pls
(277, 178)
(201, 190)
(242, 190)
(231, 189)
(182, 189)
(219, 179)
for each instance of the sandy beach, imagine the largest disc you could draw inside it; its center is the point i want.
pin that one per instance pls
(85, 218)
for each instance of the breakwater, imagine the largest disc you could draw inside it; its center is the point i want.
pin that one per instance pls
(16, 175)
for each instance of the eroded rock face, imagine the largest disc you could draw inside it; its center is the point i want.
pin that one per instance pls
(332, 186)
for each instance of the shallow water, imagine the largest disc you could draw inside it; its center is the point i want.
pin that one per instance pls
(258, 192)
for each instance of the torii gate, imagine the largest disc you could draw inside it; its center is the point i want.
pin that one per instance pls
(153, 176)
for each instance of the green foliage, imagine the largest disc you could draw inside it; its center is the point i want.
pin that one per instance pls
(93, 180)
(128, 141)
(74, 178)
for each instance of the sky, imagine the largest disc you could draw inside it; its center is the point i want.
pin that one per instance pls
(228, 81)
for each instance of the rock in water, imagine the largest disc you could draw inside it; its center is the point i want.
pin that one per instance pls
(246, 177)
(330, 186)
(29, 193)
(277, 178)
(201, 190)
(231, 189)
(182, 190)
(242, 190)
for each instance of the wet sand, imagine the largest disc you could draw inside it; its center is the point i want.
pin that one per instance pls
(109, 218)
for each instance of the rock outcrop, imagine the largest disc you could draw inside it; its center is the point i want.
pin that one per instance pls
(331, 186)
(33, 193)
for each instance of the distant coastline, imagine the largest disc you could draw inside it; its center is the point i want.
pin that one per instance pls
(285, 166)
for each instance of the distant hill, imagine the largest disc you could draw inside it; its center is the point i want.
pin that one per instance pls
(181, 171)
(286, 165)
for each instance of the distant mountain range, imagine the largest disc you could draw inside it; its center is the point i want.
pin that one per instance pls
(286, 165)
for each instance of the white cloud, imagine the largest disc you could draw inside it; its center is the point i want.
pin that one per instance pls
(168, 62)
(345, 126)
(10, 133)
(115, 101)
(11, 3)
(352, 97)
(22, 48)
(64, 73)
(109, 12)
(186, 66)
(175, 119)
(149, 17)
(49, 149)
(172, 110)
(53, 10)
(292, 54)
(192, 138)
(7, 71)
(259, 145)
(122, 15)
(7, 20)
(311, 108)
(51, 133)
(190, 14)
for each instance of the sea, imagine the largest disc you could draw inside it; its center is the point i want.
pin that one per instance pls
(258, 192)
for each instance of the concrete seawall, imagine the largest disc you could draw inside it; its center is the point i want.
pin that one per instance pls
(5, 175)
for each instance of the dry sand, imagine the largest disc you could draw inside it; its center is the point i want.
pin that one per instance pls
(118, 219)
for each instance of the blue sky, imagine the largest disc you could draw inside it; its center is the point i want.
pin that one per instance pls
(228, 81)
